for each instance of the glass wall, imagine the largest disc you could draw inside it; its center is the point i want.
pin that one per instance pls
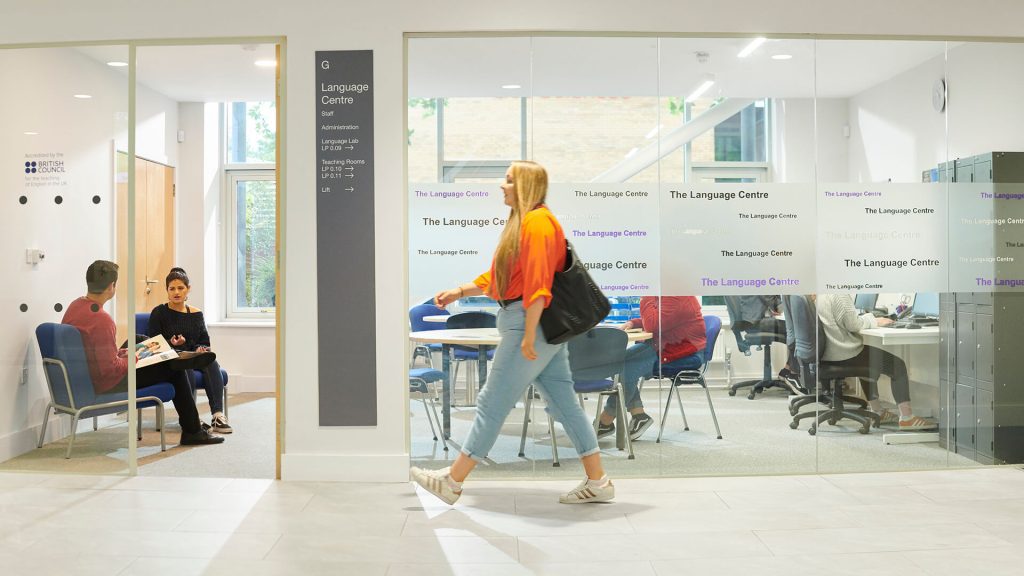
(839, 217)
(65, 207)
(177, 170)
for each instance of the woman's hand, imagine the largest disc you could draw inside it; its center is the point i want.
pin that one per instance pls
(446, 297)
(202, 348)
(527, 346)
(122, 352)
(533, 312)
(177, 340)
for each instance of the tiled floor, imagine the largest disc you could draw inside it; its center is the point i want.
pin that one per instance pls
(959, 522)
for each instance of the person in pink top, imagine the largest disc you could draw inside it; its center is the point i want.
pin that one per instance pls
(678, 328)
(108, 364)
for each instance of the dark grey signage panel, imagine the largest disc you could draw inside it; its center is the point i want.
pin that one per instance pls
(344, 238)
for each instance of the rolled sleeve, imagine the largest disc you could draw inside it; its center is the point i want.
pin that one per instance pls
(538, 256)
(483, 281)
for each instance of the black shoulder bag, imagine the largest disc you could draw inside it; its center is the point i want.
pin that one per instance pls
(577, 304)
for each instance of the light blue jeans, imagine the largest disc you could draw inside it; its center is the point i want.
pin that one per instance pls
(508, 379)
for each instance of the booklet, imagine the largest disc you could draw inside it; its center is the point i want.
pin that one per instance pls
(153, 351)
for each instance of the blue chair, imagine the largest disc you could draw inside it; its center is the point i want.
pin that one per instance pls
(461, 354)
(71, 388)
(712, 327)
(196, 378)
(419, 382)
(597, 360)
(418, 324)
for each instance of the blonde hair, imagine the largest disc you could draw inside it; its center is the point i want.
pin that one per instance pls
(531, 188)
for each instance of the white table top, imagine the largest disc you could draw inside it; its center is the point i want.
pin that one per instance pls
(484, 336)
(900, 336)
(442, 318)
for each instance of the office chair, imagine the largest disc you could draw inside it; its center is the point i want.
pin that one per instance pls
(810, 345)
(753, 328)
(807, 352)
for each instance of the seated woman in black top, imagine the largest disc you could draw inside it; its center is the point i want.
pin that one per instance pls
(185, 329)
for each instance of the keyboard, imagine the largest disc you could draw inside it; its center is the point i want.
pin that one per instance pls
(916, 321)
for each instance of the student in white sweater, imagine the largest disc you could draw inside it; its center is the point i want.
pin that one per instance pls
(844, 345)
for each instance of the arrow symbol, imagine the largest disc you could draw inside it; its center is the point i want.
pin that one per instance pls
(350, 147)
(350, 168)
(350, 175)
(350, 189)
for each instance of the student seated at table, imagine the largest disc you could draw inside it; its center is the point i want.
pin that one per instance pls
(678, 328)
(844, 345)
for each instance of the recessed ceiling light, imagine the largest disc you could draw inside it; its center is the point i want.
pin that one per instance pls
(83, 96)
(782, 56)
(754, 45)
(117, 64)
(31, 133)
(266, 63)
(511, 86)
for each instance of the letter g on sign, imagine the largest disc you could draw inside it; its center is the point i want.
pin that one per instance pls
(325, 64)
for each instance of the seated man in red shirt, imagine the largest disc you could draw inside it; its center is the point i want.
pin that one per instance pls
(679, 337)
(108, 365)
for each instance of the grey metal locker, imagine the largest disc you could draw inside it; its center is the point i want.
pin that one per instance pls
(965, 419)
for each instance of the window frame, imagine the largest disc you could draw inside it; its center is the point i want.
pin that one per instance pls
(233, 174)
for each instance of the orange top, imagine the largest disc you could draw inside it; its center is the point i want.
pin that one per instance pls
(541, 254)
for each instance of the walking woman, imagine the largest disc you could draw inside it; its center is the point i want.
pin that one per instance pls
(530, 250)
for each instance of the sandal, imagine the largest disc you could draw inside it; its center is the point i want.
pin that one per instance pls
(918, 423)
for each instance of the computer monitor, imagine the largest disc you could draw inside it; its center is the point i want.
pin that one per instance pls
(926, 305)
(865, 302)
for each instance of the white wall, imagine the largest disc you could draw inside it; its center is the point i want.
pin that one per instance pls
(72, 234)
(984, 105)
(897, 134)
(380, 453)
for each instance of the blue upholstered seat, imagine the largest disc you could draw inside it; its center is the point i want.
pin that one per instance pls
(418, 324)
(71, 386)
(695, 375)
(419, 380)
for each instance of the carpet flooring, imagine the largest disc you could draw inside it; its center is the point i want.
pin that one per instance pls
(247, 453)
(756, 440)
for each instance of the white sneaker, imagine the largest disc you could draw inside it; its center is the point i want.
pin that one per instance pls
(437, 482)
(589, 491)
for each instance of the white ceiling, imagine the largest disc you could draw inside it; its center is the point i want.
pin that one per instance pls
(575, 66)
(207, 73)
(558, 66)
